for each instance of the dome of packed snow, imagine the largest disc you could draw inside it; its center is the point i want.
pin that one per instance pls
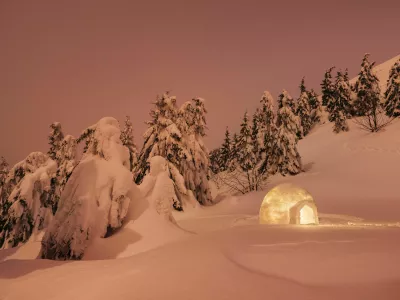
(288, 204)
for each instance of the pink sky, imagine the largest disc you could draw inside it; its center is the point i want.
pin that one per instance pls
(77, 61)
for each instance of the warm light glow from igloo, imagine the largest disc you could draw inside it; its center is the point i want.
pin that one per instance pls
(307, 215)
(288, 204)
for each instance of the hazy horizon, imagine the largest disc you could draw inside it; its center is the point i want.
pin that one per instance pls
(77, 62)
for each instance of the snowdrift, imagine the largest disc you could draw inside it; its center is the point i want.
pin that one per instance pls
(149, 222)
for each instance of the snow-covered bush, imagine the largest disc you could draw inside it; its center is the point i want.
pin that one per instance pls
(96, 197)
(30, 202)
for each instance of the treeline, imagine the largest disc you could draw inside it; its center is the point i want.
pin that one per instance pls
(267, 144)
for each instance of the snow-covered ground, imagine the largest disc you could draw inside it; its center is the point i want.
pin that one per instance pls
(222, 253)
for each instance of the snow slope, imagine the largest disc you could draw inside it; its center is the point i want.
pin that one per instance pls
(353, 255)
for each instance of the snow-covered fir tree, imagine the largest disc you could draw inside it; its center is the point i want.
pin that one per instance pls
(267, 132)
(96, 197)
(392, 93)
(246, 153)
(286, 158)
(195, 169)
(247, 163)
(327, 87)
(234, 158)
(256, 134)
(315, 107)
(56, 137)
(128, 141)
(66, 157)
(340, 121)
(215, 160)
(162, 138)
(63, 152)
(339, 107)
(284, 99)
(367, 89)
(4, 169)
(341, 98)
(165, 137)
(3, 172)
(302, 86)
(226, 151)
(304, 112)
(29, 205)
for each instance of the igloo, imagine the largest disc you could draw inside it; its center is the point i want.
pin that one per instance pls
(288, 204)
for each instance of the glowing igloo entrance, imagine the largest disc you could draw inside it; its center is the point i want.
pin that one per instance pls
(288, 204)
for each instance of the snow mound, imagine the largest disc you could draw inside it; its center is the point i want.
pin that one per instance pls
(149, 223)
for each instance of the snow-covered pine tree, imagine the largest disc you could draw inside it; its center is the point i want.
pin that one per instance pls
(4, 169)
(194, 114)
(234, 157)
(246, 157)
(215, 160)
(302, 86)
(367, 89)
(55, 139)
(164, 138)
(339, 106)
(340, 120)
(304, 113)
(63, 152)
(28, 207)
(315, 107)
(353, 95)
(267, 132)
(248, 162)
(96, 197)
(225, 151)
(327, 87)
(66, 157)
(341, 98)
(256, 134)
(128, 141)
(284, 99)
(285, 157)
(3, 173)
(392, 93)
